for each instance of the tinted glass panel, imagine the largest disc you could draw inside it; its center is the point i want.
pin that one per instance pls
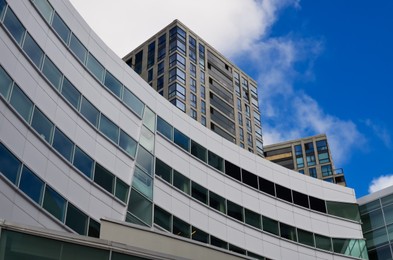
(127, 143)
(112, 84)
(217, 202)
(270, 225)
(79, 252)
(133, 102)
(31, 185)
(14, 26)
(70, 93)
(104, 178)
(215, 161)
(300, 199)
(181, 182)
(32, 50)
(180, 227)
(54, 203)
(232, 170)
(214, 241)
(76, 219)
(78, 49)
(89, 112)
(250, 179)
(375, 238)
(140, 207)
(149, 119)
(42, 125)
(198, 151)
(252, 218)
(146, 139)
(45, 9)
(288, 232)
(266, 186)
(235, 211)
(145, 160)
(163, 170)
(200, 235)
(162, 218)
(9, 164)
(372, 220)
(305, 237)
(380, 253)
(323, 242)
(236, 249)
(344, 210)
(21, 103)
(198, 192)
(121, 191)
(83, 162)
(52, 73)
(5, 83)
(283, 193)
(63, 144)
(95, 67)
(164, 128)
(109, 129)
(61, 28)
(94, 228)
(182, 140)
(317, 204)
(143, 183)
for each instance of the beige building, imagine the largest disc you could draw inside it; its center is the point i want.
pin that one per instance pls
(198, 80)
(310, 156)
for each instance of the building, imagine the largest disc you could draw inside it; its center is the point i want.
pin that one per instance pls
(202, 83)
(310, 156)
(84, 139)
(376, 211)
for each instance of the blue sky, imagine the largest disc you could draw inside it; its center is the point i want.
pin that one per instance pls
(321, 66)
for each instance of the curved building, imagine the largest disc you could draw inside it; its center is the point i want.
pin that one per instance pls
(84, 138)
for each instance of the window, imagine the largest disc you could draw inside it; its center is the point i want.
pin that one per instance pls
(164, 128)
(9, 164)
(217, 202)
(305, 237)
(150, 54)
(317, 204)
(113, 84)
(266, 186)
(288, 232)
(351, 210)
(312, 172)
(239, 104)
(61, 28)
(177, 60)
(198, 192)
(240, 118)
(283, 193)
(249, 179)
(138, 62)
(310, 160)
(121, 190)
(52, 73)
(42, 125)
(298, 150)
(247, 110)
(249, 140)
(192, 48)
(161, 47)
(203, 107)
(21, 103)
(70, 93)
(232, 170)
(214, 241)
(193, 70)
(215, 161)
(133, 102)
(326, 170)
(163, 170)
(95, 67)
(202, 77)
(309, 147)
(323, 157)
(149, 119)
(300, 199)
(193, 114)
(127, 143)
(5, 83)
(145, 160)
(181, 182)
(104, 178)
(248, 124)
(180, 228)
(143, 183)
(235, 211)
(32, 50)
(321, 145)
(181, 140)
(299, 162)
(177, 74)
(140, 207)
(31, 185)
(89, 112)
(146, 139)
(177, 90)
(162, 218)
(54, 203)
(270, 225)
(180, 105)
(63, 144)
(45, 9)
(160, 68)
(83, 162)
(252, 218)
(323, 242)
(14, 26)
(78, 49)
(193, 85)
(203, 95)
(198, 151)
(193, 100)
(203, 120)
(199, 235)
(109, 129)
(160, 83)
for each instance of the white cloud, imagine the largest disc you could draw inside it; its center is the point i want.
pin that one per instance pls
(380, 183)
(380, 131)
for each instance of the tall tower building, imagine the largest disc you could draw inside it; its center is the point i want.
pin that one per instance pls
(202, 83)
(310, 156)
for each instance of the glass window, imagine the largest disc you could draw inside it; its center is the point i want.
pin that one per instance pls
(309, 147)
(270, 225)
(63, 144)
(203, 120)
(177, 74)
(83, 162)
(283, 193)
(145, 160)
(42, 125)
(104, 178)
(199, 235)
(31, 185)
(252, 218)
(78, 49)
(181, 182)
(143, 183)
(113, 84)
(14, 26)
(79, 252)
(321, 145)
(94, 228)
(266, 186)
(21, 103)
(193, 85)
(232, 170)
(193, 100)
(95, 67)
(380, 253)
(133, 102)
(235, 211)
(198, 192)
(372, 220)
(127, 143)
(76, 220)
(217, 202)
(180, 105)
(323, 242)
(298, 150)
(288, 232)
(344, 210)
(109, 129)
(54, 203)
(300, 199)
(140, 207)
(164, 128)
(388, 212)
(149, 119)
(323, 158)
(121, 190)
(181, 140)
(305, 237)
(61, 28)
(375, 238)
(317, 204)
(45, 9)
(160, 68)
(312, 172)
(215, 161)
(146, 139)
(370, 206)
(70, 93)
(177, 90)
(180, 228)
(5, 83)
(52, 73)
(236, 249)
(250, 179)
(163, 170)
(300, 162)
(150, 75)
(214, 241)
(203, 92)
(162, 218)
(198, 151)
(326, 170)
(32, 50)
(177, 60)
(89, 112)
(310, 160)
